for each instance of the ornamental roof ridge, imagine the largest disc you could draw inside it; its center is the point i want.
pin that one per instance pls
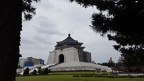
(69, 41)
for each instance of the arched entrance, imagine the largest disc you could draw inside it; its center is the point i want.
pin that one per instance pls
(61, 58)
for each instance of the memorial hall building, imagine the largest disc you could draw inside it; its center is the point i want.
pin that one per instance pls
(69, 55)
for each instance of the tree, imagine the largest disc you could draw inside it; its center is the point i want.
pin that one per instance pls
(10, 28)
(122, 22)
(40, 71)
(46, 71)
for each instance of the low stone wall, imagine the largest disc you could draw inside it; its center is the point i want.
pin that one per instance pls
(131, 74)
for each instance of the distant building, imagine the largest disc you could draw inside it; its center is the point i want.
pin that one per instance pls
(30, 61)
(110, 60)
(21, 62)
(120, 60)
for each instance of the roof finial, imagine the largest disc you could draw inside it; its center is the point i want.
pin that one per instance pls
(68, 35)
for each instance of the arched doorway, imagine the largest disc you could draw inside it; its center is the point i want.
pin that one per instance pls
(61, 58)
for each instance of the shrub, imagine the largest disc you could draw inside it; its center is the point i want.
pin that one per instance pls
(40, 71)
(26, 72)
(49, 71)
(45, 71)
(34, 72)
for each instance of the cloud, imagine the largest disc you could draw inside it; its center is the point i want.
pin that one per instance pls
(49, 28)
(55, 19)
(43, 40)
(26, 41)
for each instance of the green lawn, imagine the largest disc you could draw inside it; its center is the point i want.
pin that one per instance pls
(71, 78)
(72, 73)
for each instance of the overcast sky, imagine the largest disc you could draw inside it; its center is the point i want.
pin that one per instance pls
(54, 20)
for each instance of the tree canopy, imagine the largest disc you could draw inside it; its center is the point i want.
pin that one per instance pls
(122, 22)
(27, 9)
(123, 16)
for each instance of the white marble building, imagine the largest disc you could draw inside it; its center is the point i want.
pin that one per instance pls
(69, 55)
(68, 50)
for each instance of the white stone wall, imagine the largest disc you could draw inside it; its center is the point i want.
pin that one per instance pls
(51, 57)
(70, 55)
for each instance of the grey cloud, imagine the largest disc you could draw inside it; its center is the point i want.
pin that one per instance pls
(42, 40)
(45, 4)
(56, 17)
(48, 27)
(44, 20)
(26, 41)
(45, 24)
(48, 31)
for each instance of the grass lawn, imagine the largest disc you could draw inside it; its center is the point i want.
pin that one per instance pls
(71, 78)
(72, 73)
